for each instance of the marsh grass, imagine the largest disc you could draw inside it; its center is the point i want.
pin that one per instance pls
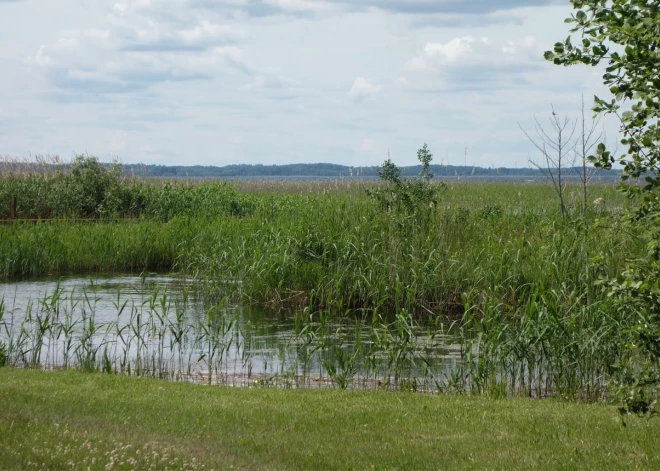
(283, 244)
(353, 255)
(517, 281)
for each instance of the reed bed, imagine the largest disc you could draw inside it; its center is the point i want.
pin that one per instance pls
(333, 245)
(518, 282)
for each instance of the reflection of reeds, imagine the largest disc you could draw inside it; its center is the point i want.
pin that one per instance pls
(157, 337)
(553, 345)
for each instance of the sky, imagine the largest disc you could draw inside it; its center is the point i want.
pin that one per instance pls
(204, 82)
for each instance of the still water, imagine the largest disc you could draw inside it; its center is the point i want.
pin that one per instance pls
(158, 325)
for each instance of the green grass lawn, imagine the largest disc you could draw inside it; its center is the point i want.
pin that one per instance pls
(72, 420)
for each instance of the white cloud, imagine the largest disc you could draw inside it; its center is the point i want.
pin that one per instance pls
(163, 37)
(71, 43)
(476, 64)
(136, 53)
(470, 50)
(40, 58)
(456, 49)
(192, 81)
(363, 88)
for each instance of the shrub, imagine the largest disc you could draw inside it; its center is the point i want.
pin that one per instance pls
(407, 196)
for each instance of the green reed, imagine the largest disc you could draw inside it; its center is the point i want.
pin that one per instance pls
(344, 248)
(519, 281)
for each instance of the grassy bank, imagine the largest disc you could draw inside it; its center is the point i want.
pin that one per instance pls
(73, 420)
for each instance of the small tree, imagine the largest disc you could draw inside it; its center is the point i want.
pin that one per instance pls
(407, 196)
(557, 148)
(569, 142)
(425, 157)
(587, 140)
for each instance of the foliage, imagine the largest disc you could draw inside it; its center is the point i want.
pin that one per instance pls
(407, 196)
(94, 187)
(89, 189)
(637, 293)
(625, 34)
(84, 189)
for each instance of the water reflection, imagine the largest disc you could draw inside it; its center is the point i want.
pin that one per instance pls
(158, 325)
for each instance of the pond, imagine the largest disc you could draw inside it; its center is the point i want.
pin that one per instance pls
(159, 325)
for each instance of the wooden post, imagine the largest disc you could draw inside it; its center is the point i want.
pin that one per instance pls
(13, 207)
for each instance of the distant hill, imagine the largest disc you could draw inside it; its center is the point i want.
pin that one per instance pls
(315, 171)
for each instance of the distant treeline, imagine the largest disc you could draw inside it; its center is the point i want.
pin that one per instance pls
(305, 171)
(339, 171)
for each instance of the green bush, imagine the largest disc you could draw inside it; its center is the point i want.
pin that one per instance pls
(407, 197)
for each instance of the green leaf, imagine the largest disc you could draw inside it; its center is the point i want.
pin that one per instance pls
(627, 30)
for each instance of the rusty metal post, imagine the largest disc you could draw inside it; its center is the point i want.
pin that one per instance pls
(13, 207)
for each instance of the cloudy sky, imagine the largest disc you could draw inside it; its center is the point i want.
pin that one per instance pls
(218, 82)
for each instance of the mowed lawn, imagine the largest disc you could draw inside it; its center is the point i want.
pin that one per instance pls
(73, 420)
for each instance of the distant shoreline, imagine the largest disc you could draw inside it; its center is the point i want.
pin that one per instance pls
(333, 172)
(326, 171)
